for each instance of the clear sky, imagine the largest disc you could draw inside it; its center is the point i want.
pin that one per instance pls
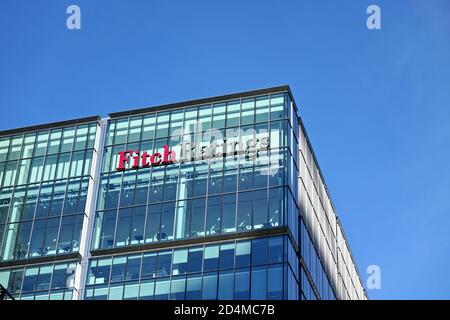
(376, 103)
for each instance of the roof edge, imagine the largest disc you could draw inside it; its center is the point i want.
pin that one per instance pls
(49, 125)
(238, 95)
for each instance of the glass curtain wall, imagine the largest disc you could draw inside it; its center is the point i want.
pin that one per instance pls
(43, 185)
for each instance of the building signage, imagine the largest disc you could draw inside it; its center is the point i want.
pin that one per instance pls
(134, 159)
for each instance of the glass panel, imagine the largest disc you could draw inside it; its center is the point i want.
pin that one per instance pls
(162, 289)
(195, 260)
(275, 250)
(213, 215)
(242, 284)
(148, 129)
(177, 288)
(67, 139)
(118, 269)
(167, 221)
(262, 109)
(81, 137)
(65, 235)
(243, 254)
(162, 127)
(260, 209)
(134, 133)
(153, 223)
(4, 147)
(233, 113)
(137, 227)
(131, 291)
(229, 213)
(149, 265)
(194, 287)
(259, 251)
(219, 116)
(226, 285)
(277, 110)
(121, 131)
(147, 290)
(164, 264)
(197, 218)
(248, 111)
(211, 258)
(226, 256)
(41, 143)
(180, 258)
(244, 215)
(258, 283)
(133, 267)
(122, 237)
(275, 282)
(209, 286)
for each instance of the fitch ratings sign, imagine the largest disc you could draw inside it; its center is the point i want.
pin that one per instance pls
(187, 152)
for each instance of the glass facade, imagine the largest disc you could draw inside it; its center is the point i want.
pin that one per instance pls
(245, 269)
(44, 179)
(209, 204)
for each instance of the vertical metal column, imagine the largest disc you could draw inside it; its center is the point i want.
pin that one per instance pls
(89, 217)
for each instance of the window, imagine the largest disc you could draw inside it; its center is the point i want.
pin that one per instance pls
(226, 285)
(211, 258)
(131, 291)
(134, 133)
(133, 267)
(67, 139)
(243, 254)
(177, 288)
(164, 264)
(118, 269)
(194, 287)
(146, 291)
(244, 214)
(149, 262)
(213, 215)
(275, 250)
(229, 213)
(195, 259)
(260, 209)
(277, 109)
(122, 237)
(226, 256)
(258, 283)
(275, 207)
(180, 258)
(233, 113)
(209, 287)
(262, 109)
(259, 251)
(81, 137)
(137, 226)
(167, 220)
(153, 223)
(197, 218)
(242, 284)
(248, 111)
(108, 228)
(121, 131)
(275, 282)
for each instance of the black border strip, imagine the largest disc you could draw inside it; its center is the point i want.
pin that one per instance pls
(49, 125)
(278, 89)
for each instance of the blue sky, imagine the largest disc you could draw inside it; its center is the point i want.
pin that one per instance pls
(376, 104)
